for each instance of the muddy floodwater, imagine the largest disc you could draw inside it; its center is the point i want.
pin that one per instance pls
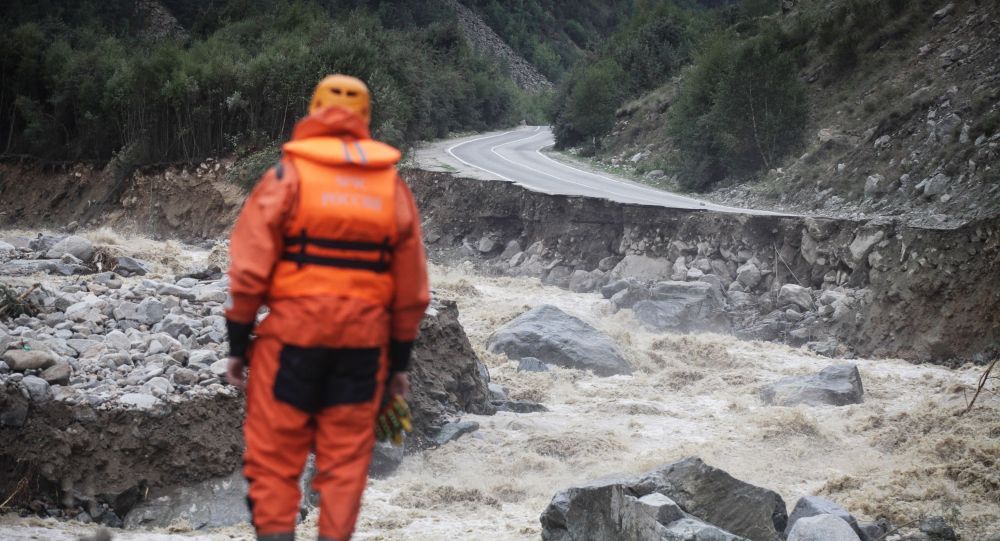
(902, 454)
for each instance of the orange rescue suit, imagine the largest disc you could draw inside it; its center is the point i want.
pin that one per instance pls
(330, 242)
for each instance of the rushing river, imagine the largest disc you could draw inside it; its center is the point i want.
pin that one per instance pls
(902, 454)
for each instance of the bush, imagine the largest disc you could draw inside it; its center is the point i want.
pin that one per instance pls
(740, 110)
(589, 101)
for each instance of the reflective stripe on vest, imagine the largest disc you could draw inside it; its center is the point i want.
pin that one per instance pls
(340, 239)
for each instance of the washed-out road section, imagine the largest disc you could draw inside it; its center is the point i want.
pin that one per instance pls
(516, 156)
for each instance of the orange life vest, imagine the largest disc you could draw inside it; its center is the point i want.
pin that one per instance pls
(340, 240)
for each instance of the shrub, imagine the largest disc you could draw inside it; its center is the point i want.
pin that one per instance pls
(740, 109)
(589, 102)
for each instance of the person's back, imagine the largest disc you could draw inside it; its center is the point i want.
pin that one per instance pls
(330, 242)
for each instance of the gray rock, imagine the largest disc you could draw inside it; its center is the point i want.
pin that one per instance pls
(643, 267)
(938, 529)
(215, 503)
(749, 275)
(139, 401)
(608, 263)
(57, 374)
(686, 500)
(219, 368)
(876, 185)
(38, 388)
(836, 385)
(386, 458)
(555, 337)
(185, 376)
(558, 276)
(948, 9)
(791, 294)
(487, 244)
(19, 267)
(513, 248)
(20, 360)
(42, 243)
(158, 386)
(683, 307)
(582, 281)
(127, 266)
(936, 185)
(453, 431)
(202, 357)
(186, 282)
(810, 506)
(142, 374)
(611, 289)
(14, 407)
(531, 364)
(863, 243)
(874, 531)
(627, 298)
(176, 291)
(78, 247)
(519, 406)
(497, 392)
(4, 368)
(822, 528)
(117, 340)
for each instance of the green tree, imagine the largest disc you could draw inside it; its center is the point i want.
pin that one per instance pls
(589, 103)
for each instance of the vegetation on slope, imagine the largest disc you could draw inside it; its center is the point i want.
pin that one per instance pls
(91, 81)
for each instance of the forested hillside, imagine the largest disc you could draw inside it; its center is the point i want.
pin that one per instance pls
(148, 82)
(852, 106)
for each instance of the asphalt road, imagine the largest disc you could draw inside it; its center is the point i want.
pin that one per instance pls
(516, 156)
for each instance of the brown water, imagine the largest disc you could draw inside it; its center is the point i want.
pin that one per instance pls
(902, 454)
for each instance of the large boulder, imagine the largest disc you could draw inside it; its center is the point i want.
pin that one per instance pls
(444, 373)
(822, 528)
(214, 503)
(643, 267)
(78, 247)
(683, 307)
(811, 506)
(795, 295)
(20, 360)
(685, 500)
(555, 337)
(836, 385)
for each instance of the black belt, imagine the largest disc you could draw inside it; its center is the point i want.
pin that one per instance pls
(302, 258)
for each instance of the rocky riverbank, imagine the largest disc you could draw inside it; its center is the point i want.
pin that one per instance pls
(111, 382)
(872, 288)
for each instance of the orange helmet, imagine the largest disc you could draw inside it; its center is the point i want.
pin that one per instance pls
(342, 91)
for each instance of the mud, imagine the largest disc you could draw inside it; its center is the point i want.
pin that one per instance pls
(86, 453)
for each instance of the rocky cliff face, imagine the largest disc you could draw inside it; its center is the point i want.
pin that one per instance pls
(923, 294)
(486, 41)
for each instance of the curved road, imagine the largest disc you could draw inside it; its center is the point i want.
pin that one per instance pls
(516, 156)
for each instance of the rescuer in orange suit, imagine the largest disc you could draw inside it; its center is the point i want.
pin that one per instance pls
(330, 242)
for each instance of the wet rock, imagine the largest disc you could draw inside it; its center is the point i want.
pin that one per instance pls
(453, 431)
(531, 364)
(519, 406)
(57, 374)
(127, 266)
(558, 276)
(680, 501)
(20, 360)
(937, 529)
(837, 385)
(791, 294)
(683, 307)
(611, 289)
(607, 263)
(215, 503)
(38, 388)
(444, 373)
(78, 247)
(582, 281)
(822, 528)
(555, 337)
(497, 392)
(386, 459)
(810, 506)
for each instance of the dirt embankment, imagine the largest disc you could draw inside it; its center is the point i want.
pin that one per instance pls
(174, 202)
(929, 294)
